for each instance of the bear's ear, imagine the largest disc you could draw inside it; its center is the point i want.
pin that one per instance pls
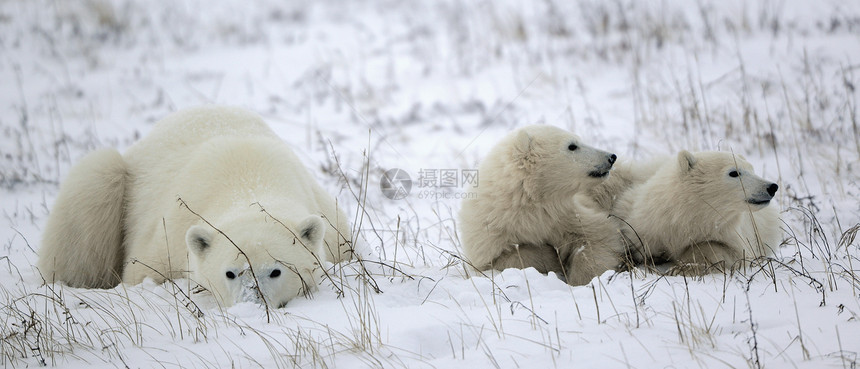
(199, 240)
(686, 161)
(523, 150)
(312, 230)
(523, 143)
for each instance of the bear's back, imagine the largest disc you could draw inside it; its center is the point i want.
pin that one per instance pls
(246, 170)
(183, 131)
(155, 161)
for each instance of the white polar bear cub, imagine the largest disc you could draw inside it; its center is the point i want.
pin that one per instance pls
(226, 166)
(525, 213)
(701, 211)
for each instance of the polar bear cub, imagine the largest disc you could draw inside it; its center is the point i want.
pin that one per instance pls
(701, 211)
(525, 213)
(211, 194)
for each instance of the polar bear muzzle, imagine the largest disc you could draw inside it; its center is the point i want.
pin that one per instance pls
(601, 170)
(763, 197)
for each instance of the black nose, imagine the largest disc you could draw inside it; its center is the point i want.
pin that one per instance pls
(612, 158)
(771, 190)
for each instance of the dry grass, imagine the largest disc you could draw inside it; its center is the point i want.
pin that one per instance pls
(796, 120)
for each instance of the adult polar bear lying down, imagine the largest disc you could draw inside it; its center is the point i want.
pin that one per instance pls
(121, 215)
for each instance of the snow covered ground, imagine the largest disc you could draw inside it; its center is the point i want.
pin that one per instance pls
(362, 87)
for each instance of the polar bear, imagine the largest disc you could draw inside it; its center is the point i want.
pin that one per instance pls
(701, 211)
(211, 194)
(526, 213)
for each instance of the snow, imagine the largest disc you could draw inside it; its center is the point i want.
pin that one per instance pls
(362, 87)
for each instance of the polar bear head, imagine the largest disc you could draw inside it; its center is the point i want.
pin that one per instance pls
(557, 161)
(280, 260)
(725, 181)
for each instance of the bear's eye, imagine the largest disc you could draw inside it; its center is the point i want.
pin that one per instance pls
(734, 174)
(231, 275)
(275, 273)
(572, 147)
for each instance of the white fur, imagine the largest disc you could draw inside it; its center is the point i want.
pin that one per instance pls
(82, 242)
(526, 214)
(226, 165)
(693, 212)
(625, 174)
